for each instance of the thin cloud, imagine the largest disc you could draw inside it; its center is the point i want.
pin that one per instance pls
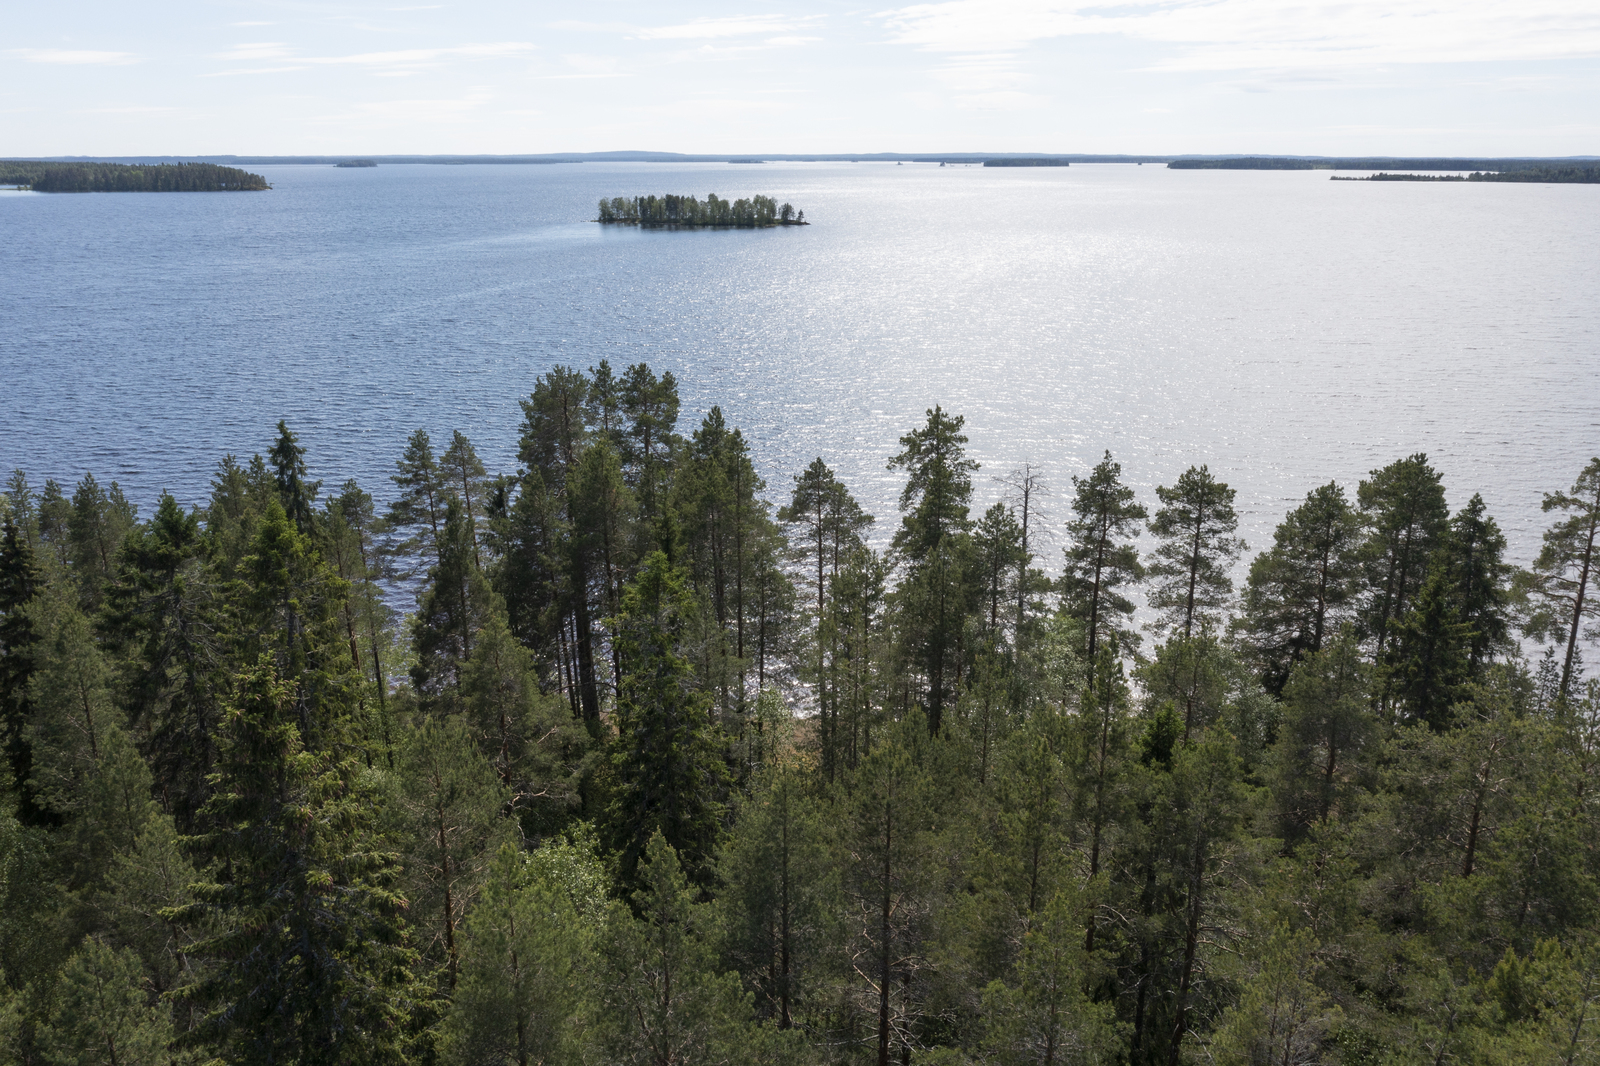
(712, 28)
(68, 57)
(1268, 34)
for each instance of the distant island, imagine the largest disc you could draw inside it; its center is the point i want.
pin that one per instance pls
(758, 212)
(1401, 177)
(1046, 162)
(1533, 175)
(123, 177)
(1390, 168)
(357, 163)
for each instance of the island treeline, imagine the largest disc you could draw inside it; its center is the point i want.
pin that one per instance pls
(564, 811)
(669, 210)
(1523, 170)
(123, 177)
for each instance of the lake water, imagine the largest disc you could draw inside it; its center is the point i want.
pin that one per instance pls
(1280, 327)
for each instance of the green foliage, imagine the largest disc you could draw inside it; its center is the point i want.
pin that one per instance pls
(1301, 590)
(301, 925)
(661, 1000)
(103, 1015)
(1190, 565)
(686, 211)
(668, 790)
(123, 177)
(1101, 558)
(522, 996)
(671, 779)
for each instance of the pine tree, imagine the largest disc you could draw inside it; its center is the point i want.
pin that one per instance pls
(450, 612)
(1324, 738)
(1302, 588)
(662, 1003)
(829, 525)
(889, 827)
(1101, 557)
(454, 811)
(930, 545)
(521, 999)
(650, 407)
(103, 1013)
(1404, 509)
(999, 549)
(774, 911)
(537, 749)
(1565, 572)
(1195, 527)
(1044, 1018)
(420, 507)
(462, 472)
(74, 709)
(301, 927)
(555, 432)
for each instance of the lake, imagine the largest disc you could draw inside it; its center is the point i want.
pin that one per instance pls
(1280, 327)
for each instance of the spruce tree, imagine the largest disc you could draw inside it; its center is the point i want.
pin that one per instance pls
(1473, 560)
(96, 525)
(1101, 557)
(1196, 549)
(163, 616)
(1429, 655)
(670, 775)
(20, 584)
(300, 926)
(296, 492)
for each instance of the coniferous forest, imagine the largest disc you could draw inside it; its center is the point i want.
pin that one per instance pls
(624, 756)
(758, 212)
(122, 177)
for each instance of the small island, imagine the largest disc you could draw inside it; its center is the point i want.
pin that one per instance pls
(357, 163)
(1014, 161)
(686, 212)
(122, 177)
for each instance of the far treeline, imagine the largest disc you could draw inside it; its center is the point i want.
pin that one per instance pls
(1519, 170)
(122, 177)
(686, 211)
(660, 771)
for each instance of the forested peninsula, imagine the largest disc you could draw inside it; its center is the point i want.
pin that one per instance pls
(758, 212)
(122, 177)
(1518, 170)
(667, 765)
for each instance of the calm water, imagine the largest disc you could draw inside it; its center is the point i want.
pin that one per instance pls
(1283, 328)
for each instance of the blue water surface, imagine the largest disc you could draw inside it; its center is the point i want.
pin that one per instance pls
(1282, 328)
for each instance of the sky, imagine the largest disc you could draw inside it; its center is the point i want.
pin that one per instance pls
(1344, 77)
